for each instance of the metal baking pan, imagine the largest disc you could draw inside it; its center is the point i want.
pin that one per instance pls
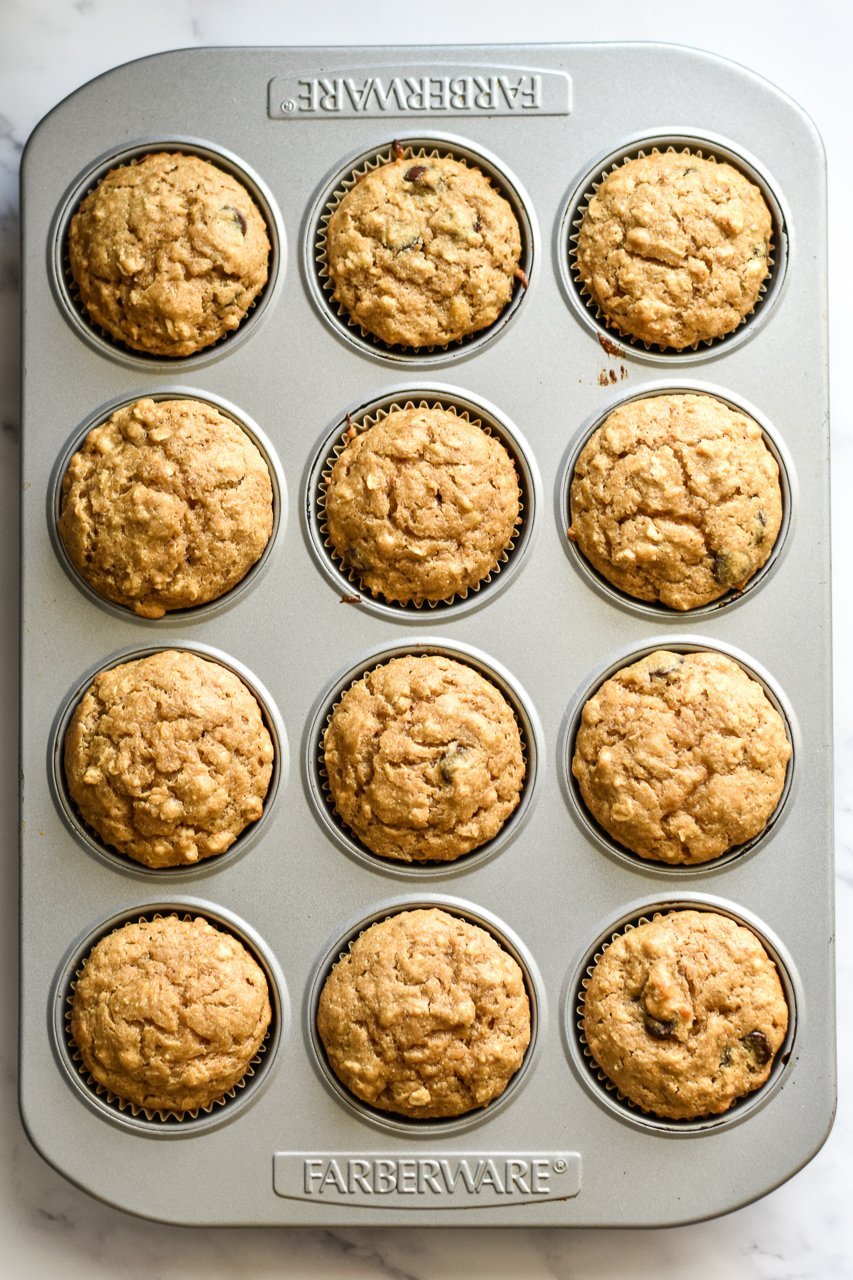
(558, 1149)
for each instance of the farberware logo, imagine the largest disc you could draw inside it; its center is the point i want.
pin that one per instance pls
(434, 1181)
(413, 91)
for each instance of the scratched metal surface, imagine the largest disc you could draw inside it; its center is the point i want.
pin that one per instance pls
(295, 890)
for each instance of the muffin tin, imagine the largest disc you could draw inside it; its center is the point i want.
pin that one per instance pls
(557, 1148)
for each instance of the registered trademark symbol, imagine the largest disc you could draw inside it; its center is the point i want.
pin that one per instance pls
(288, 105)
(560, 1166)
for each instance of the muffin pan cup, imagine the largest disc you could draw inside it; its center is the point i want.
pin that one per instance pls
(289, 1148)
(417, 148)
(589, 824)
(279, 499)
(707, 147)
(608, 1093)
(66, 289)
(126, 1115)
(654, 609)
(480, 414)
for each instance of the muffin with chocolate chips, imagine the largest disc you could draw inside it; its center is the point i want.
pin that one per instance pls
(423, 252)
(685, 1014)
(166, 505)
(681, 757)
(424, 759)
(426, 1016)
(422, 505)
(168, 253)
(676, 498)
(674, 248)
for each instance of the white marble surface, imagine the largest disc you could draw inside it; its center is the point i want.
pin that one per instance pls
(47, 1227)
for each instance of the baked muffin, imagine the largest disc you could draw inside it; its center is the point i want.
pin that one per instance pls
(421, 505)
(425, 1016)
(422, 252)
(168, 253)
(166, 505)
(674, 248)
(685, 1014)
(676, 498)
(168, 1014)
(681, 756)
(424, 759)
(167, 758)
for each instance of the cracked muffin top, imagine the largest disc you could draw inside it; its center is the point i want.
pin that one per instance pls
(166, 505)
(426, 1016)
(423, 252)
(422, 505)
(168, 1014)
(676, 498)
(685, 1014)
(424, 759)
(168, 759)
(168, 253)
(674, 248)
(681, 757)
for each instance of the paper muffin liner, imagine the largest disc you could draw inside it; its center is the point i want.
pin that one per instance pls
(611, 1092)
(592, 827)
(426, 866)
(733, 595)
(363, 422)
(688, 147)
(124, 159)
(86, 835)
(161, 1117)
(398, 1121)
(418, 149)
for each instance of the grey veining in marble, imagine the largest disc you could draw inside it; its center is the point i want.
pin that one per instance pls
(50, 1229)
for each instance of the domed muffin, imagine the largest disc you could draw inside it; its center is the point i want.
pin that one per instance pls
(168, 253)
(426, 1016)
